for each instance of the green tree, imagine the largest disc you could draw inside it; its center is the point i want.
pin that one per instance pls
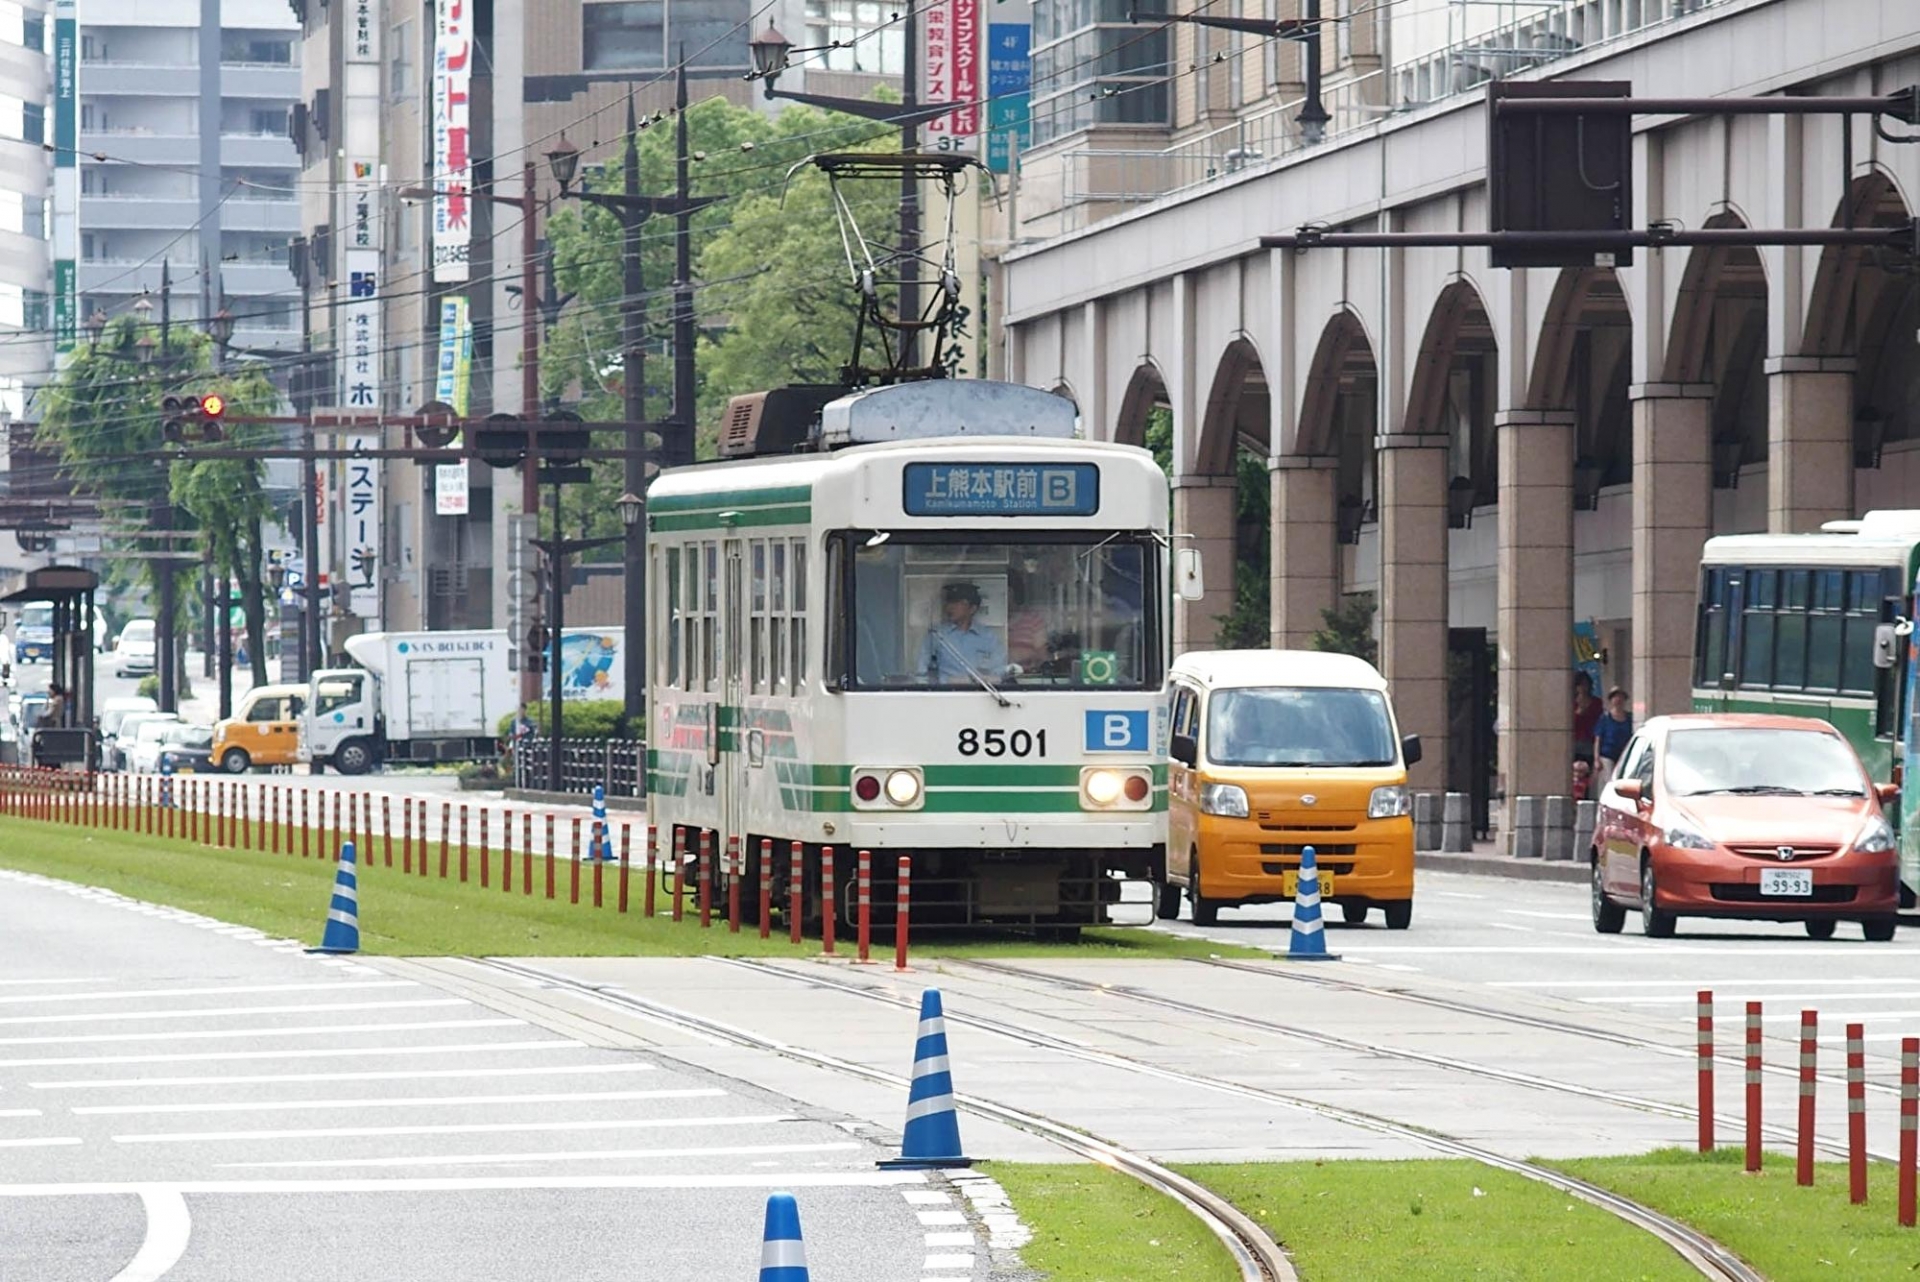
(1349, 628)
(773, 299)
(1247, 625)
(102, 414)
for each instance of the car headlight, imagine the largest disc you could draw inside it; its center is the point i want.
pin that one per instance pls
(1389, 802)
(1686, 839)
(903, 787)
(1224, 799)
(1876, 838)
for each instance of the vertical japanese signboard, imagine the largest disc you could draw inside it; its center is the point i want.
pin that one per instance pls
(451, 383)
(953, 74)
(1009, 86)
(452, 166)
(358, 337)
(66, 173)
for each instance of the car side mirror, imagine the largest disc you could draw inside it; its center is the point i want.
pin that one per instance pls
(1410, 749)
(1189, 578)
(1184, 750)
(1888, 793)
(1886, 646)
(1627, 790)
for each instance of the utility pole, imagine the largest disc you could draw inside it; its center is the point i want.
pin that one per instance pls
(224, 588)
(910, 192)
(309, 474)
(633, 337)
(166, 633)
(680, 452)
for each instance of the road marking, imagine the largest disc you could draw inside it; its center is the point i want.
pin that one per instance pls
(91, 979)
(488, 1159)
(1528, 912)
(949, 1239)
(316, 1008)
(1617, 951)
(1508, 925)
(940, 1219)
(19, 1112)
(46, 1141)
(357, 1052)
(310, 1030)
(168, 1228)
(1455, 894)
(948, 1262)
(475, 1128)
(331, 985)
(391, 1075)
(1689, 984)
(482, 1184)
(397, 1101)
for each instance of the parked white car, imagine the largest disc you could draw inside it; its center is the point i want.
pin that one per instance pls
(133, 654)
(119, 709)
(115, 751)
(149, 741)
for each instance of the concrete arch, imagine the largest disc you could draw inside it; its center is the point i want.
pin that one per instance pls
(1458, 322)
(1583, 363)
(1850, 278)
(1146, 389)
(1713, 275)
(1064, 390)
(1344, 348)
(1238, 409)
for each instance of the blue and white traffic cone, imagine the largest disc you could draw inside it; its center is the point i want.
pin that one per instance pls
(783, 1256)
(1308, 942)
(166, 784)
(932, 1138)
(342, 934)
(601, 848)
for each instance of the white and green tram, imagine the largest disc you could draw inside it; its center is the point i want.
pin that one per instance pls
(1817, 625)
(939, 630)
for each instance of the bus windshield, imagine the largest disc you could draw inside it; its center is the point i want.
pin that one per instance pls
(1300, 726)
(940, 611)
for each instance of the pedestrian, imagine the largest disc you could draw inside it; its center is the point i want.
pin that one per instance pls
(1610, 736)
(56, 710)
(1582, 776)
(1586, 715)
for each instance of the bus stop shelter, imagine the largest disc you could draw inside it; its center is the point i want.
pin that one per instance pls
(69, 589)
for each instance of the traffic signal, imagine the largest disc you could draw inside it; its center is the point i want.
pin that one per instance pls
(186, 420)
(436, 436)
(501, 441)
(564, 439)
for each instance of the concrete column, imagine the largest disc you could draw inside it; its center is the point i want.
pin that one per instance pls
(1306, 565)
(1535, 596)
(1809, 442)
(1672, 519)
(1413, 593)
(1203, 510)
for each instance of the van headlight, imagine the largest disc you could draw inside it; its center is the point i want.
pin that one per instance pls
(1876, 838)
(1227, 800)
(1389, 802)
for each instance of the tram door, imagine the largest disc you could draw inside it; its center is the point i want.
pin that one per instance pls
(733, 740)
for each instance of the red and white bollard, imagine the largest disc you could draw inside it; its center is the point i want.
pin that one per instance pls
(306, 824)
(766, 888)
(705, 879)
(626, 863)
(1857, 1113)
(386, 830)
(506, 852)
(734, 868)
(526, 854)
(406, 836)
(903, 902)
(1703, 1016)
(829, 901)
(863, 908)
(796, 862)
(463, 843)
(446, 835)
(486, 850)
(653, 871)
(573, 864)
(1909, 1123)
(1809, 1061)
(1753, 1086)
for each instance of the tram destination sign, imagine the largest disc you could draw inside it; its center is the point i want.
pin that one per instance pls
(1002, 489)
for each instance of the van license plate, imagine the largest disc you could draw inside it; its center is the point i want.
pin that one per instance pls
(1786, 881)
(1290, 883)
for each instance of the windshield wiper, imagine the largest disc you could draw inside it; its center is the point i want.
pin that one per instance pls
(1836, 792)
(1752, 790)
(974, 672)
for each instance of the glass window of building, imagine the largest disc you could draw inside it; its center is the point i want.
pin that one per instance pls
(1092, 66)
(632, 35)
(862, 34)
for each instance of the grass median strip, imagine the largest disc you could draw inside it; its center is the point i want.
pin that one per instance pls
(1787, 1232)
(409, 915)
(1092, 1224)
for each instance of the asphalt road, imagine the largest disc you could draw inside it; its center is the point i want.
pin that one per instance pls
(185, 1100)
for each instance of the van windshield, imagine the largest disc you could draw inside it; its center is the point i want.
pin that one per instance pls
(1293, 726)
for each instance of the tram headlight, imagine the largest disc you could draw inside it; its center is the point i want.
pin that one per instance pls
(1102, 786)
(889, 788)
(903, 787)
(1105, 788)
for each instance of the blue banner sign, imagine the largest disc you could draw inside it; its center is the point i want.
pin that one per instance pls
(1009, 81)
(1002, 489)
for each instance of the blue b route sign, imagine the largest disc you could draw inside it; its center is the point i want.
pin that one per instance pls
(1009, 86)
(1002, 489)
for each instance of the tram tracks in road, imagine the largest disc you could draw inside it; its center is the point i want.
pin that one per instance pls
(1708, 1257)
(1255, 1254)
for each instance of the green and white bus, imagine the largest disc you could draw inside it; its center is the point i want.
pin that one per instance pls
(1816, 625)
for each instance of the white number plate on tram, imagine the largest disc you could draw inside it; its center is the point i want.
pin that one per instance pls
(1786, 881)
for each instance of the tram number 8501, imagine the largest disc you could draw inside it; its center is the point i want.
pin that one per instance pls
(1003, 743)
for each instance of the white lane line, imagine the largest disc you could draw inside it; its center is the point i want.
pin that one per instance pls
(311, 1008)
(949, 1239)
(45, 1141)
(489, 1159)
(948, 1262)
(1687, 999)
(940, 1219)
(483, 1184)
(308, 1030)
(475, 1128)
(1456, 894)
(88, 979)
(1508, 925)
(1528, 912)
(1743, 981)
(168, 1228)
(388, 1075)
(396, 1101)
(1617, 953)
(332, 985)
(355, 1052)
(19, 1112)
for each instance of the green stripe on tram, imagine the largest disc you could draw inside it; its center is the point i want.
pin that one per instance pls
(772, 505)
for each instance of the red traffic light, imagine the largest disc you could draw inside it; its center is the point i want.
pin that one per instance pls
(213, 405)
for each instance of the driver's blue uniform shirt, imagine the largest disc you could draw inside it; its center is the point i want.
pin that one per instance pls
(980, 647)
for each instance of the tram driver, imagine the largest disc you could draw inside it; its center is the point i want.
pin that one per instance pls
(960, 642)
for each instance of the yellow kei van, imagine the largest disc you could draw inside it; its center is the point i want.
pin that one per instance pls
(264, 730)
(1274, 751)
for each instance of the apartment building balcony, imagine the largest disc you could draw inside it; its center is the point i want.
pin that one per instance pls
(132, 213)
(143, 145)
(258, 151)
(281, 215)
(1104, 172)
(144, 79)
(256, 275)
(114, 276)
(268, 80)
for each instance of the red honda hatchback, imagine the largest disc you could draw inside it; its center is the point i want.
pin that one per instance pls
(1771, 818)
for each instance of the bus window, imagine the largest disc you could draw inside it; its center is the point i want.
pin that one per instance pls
(1710, 657)
(1864, 594)
(1826, 630)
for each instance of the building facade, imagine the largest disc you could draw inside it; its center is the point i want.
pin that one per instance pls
(1495, 456)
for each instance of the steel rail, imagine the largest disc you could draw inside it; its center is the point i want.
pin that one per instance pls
(1708, 1257)
(1257, 1257)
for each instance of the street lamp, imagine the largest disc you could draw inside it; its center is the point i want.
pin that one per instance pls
(1313, 117)
(630, 506)
(96, 326)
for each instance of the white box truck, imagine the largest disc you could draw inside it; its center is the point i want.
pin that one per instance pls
(437, 696)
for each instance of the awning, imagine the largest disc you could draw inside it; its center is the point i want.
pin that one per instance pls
(51, 583)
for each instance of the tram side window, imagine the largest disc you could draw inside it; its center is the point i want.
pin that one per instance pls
(708, 668)
(777, 616)
(757, 628)
(798, 567)
(1710, 662)
(673, 617)
(1756, 650)
(835, 662)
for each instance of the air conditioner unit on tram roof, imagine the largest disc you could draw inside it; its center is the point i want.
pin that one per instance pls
(937, 408)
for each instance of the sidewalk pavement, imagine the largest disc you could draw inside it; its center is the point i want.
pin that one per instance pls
(1486, 860)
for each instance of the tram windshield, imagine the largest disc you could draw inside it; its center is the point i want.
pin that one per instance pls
(939, 611)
